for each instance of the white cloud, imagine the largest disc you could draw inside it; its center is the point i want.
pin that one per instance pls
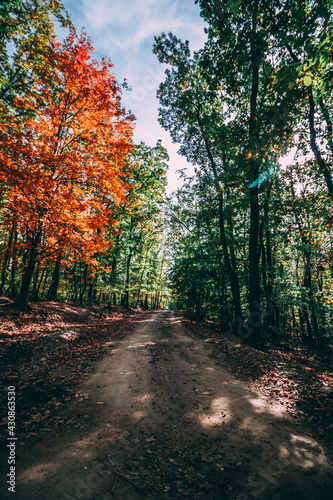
(106, 12)
(124, 31)
(129, 23)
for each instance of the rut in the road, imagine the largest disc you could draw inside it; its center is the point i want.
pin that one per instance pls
(165, 420)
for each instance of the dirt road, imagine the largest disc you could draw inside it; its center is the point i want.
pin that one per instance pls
(165, 420)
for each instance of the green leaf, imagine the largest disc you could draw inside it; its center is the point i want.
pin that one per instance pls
(307, 80)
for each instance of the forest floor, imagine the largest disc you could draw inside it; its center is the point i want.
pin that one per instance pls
(144, 405)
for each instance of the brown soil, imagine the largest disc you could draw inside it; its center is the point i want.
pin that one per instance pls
(165, 419)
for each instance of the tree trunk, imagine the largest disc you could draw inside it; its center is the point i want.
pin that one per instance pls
(307, 283)
(141, 278)
(22, 300)
(113, 276)
(310, 339)
(5, 263)
(35, 282)
(322, 311)
(301, 322)
(40, 281)
(233, 278)
(74, 297)
(320, 160)
(126, 298)
(230, 260)
(53, 290)
(269, 284)
(45, 281)
(83, 289)
(90, 293)
(11, 291)
(254, 321)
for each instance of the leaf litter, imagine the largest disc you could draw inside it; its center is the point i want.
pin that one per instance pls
(295, 376)
(47, 352)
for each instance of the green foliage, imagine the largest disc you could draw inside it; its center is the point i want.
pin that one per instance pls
(26, 27)
(261, 85)
(131, 271)
(136, 260)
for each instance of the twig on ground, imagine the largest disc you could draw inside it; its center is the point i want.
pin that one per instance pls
(119, 474)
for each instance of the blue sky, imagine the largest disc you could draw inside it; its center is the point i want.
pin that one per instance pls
(124, 31)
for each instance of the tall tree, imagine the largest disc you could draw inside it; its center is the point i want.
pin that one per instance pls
(65, 164)
(193, 113)
(223, 105)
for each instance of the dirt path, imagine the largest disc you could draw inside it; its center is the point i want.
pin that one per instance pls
(165, 420)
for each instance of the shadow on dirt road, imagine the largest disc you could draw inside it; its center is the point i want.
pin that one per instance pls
(165, 420)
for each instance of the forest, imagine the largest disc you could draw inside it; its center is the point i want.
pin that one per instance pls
(84, 216)
(254, 236)
(157, 345)
(81, 215)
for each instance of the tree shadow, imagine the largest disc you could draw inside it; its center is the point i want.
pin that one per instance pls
(192, 431)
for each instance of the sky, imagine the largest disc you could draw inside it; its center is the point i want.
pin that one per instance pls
(124, 31)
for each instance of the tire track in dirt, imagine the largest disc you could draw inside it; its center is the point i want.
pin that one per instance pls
(164, 420)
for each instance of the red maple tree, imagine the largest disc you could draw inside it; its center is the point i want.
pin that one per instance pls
(65, 162)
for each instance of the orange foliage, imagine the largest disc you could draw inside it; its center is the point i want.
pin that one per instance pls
(64, 163)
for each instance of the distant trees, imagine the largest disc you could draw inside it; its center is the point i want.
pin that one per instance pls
(137, 254)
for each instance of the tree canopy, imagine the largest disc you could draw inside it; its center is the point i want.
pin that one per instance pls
(259, 88)
(246, 241)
